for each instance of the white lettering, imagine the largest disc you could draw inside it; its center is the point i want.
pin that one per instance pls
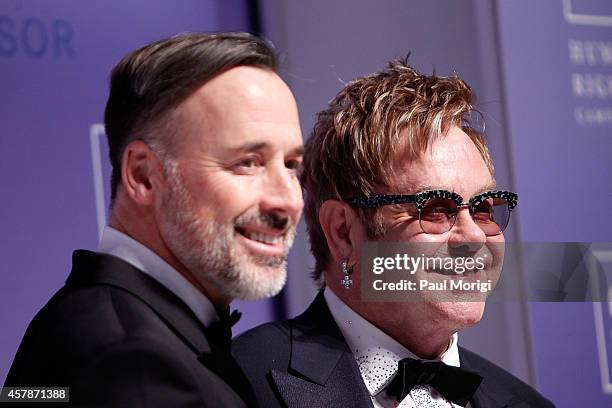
(591, 53)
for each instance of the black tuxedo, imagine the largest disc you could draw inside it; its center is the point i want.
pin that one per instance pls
(118, 338)
(305, 362)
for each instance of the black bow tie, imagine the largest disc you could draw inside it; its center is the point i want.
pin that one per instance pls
(455, 384)
(219, 333)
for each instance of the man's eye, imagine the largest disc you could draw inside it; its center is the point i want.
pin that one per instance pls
(437, 211)
(483, 209)
(249, 162)
(293, 164)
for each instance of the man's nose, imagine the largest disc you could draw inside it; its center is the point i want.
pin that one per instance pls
(282, 194)
(466, 236)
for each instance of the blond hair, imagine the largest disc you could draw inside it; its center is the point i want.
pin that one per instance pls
(350, 149)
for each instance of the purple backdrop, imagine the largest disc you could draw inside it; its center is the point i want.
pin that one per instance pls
(557, 64)
(55, 58)
(554, 68)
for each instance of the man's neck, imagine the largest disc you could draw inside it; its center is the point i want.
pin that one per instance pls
(152, 239)
(425, 339)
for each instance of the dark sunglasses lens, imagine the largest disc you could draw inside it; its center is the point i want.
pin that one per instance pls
(492, 216)
(438, 215)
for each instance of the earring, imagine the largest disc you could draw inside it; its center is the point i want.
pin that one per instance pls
(346, 281)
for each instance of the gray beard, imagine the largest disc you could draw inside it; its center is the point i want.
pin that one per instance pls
(209, 249)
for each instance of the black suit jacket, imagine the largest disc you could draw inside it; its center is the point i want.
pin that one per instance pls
(118, 338)
(305, 362)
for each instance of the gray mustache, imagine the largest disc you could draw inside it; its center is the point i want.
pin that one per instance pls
(272, 220)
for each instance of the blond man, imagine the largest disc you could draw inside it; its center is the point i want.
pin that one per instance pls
(392, 159)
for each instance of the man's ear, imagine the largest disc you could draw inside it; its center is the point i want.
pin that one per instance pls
(341, 227)
(141, 173)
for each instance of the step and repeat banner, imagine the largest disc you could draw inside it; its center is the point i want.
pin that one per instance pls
(55, 59)
(556, 61)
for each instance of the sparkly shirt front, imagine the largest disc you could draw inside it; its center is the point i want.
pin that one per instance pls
(377, 355)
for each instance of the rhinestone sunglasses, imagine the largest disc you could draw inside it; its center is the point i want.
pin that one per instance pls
(438, 209)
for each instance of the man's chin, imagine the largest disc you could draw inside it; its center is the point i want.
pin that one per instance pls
(255, 281)
(459, 314)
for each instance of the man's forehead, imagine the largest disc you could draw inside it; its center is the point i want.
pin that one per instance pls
(406, 185)
(417, 188)
(452, 162)
(244, 108)
(244, 85)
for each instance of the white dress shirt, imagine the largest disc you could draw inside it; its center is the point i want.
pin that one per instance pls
(116, 243)
(377, 355)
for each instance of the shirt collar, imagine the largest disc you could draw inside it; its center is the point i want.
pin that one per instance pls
(116, 243)
(377, 354)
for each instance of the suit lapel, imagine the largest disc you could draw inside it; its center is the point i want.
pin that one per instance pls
(322, 370)
(90, 268)
(489, 394)
(223, 364)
